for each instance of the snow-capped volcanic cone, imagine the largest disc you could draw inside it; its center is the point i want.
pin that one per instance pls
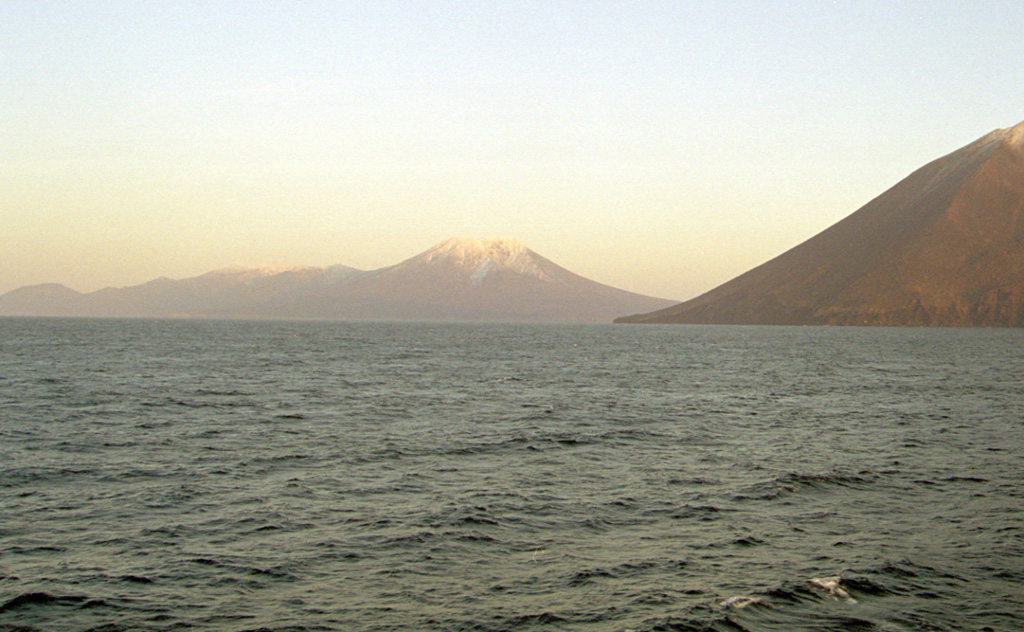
(945, 246)
(457, 280)
(467, 279)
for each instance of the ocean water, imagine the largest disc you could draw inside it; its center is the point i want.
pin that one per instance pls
(208, 476)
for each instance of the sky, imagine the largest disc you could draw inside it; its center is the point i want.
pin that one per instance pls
(661, 147)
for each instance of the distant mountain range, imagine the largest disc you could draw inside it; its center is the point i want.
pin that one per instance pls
(461, 279)
(945, 246)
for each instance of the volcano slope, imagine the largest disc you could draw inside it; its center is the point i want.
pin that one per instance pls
(944, 247)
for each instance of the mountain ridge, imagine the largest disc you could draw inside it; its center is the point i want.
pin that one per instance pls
(460, 279)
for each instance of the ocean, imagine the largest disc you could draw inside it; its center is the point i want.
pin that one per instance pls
(292, 476)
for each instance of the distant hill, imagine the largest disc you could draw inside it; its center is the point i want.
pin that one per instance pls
(945, 246)
(461, 279)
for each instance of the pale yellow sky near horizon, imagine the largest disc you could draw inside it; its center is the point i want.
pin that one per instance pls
(658, 147)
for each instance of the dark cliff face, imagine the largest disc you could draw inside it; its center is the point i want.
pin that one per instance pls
(945, 246)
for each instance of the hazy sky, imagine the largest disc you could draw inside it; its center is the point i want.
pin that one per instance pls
(661, 147)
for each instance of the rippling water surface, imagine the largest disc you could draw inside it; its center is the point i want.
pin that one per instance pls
(180, 475)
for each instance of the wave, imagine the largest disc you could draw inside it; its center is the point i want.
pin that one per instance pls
(704, 513)
(794, 482)
(628, 570)
(900, 595)
(19, 477)
(275, 573)
(37, 599)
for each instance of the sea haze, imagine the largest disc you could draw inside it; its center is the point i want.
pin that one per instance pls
(217, 475)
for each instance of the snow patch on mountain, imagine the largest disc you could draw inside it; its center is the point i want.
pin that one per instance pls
(480, 271)
(336, 273)
(481, 257)
(1014, 136)
(242, 272)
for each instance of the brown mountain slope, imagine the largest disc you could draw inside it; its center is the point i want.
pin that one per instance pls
(945, 246)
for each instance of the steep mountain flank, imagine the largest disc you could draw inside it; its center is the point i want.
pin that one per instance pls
(945, 246)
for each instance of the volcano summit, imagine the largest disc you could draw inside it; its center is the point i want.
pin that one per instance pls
(945, 246)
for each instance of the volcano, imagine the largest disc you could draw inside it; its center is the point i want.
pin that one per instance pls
(469, 279)
(943, 247)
